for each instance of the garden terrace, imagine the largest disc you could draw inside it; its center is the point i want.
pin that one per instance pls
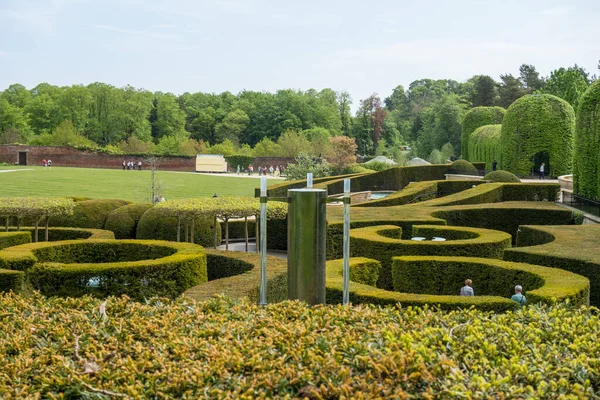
(572, 248)
(140, 269)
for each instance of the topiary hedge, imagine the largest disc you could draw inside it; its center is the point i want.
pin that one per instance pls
(123, 220)
(11, 280)
(159, 224)
(89, 214)
(384, 242)
(446, 276)
(414, 191)
(237, 275)
(56, 234)
(586, 164)
(9, 239)
(139, 269)
(572, 248)
(362, 293)
(535, 124)
(501, 176)
(462, 167)
(475, 118)
(484, 145)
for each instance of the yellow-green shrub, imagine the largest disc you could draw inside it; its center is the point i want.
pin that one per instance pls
(123, 220)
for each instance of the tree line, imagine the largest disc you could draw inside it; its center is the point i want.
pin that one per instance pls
(426, 116)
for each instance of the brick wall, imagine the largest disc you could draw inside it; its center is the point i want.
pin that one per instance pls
(70, 157)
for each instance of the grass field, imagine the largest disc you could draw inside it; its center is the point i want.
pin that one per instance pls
(118, 184)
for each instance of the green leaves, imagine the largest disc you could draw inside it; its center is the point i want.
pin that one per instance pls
(35, 207)
(223, 208)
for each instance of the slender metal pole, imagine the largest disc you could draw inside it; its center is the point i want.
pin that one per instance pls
(346, 242)
(263, 241)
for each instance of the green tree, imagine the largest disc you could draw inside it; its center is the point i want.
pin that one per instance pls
(292, 143)
(170, 119)
(568, 84)
(509, 90)
(344, 103)
(484, 91)
(225, 148)
(41, 110)
(530, 78)
(17, 95)
(232, 126)
(305, 164)
(65, 134)
(12, 118)
(267, 148)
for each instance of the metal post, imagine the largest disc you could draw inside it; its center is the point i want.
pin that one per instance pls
(263, 242)
(306, 245)
(346, 293)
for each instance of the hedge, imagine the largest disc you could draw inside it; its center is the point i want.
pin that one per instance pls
(586, 163)
(237, 274)
(225, 348)
(159, 224)
(235, 160)
(462, 167)
(475, 118)
(280, 189)
(139, 269)
(446, 276)
(384, 242)
(361, 293)
(9, 239)
(501, 176)
(11, 281)
(484, 145)
(56, 234)
(123, 221)
(539, 123)
(572, 248)
(89, 214)
(420, 191)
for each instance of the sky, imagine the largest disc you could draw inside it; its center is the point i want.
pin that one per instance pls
(363, 47)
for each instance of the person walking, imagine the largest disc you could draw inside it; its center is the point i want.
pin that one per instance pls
(467, 290)
(542, 171)
(518, 296)
(49, 163)
(238, 169)
(271, 170)
(494, 165)
(139, 165)
(44, 162)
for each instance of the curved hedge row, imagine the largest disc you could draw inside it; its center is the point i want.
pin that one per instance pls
(237, 275)
(384, 242)
(9, 239)
(572, 248)
(502, 176)
(89, 213)
(446, 275)
(484, 145)
(587, 144)
(123, 221)
(365, 293)
(539, 123)
(475, 118)
(462, 167)
(139, 269)
(56, 234)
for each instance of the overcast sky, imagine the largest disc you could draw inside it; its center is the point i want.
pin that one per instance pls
(217, 45)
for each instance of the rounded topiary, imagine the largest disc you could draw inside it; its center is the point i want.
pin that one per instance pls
(474, 118)
(156, 223)
(501, 176)
(533, 124)
(586, 168)
(89, 213)
(484, 145)
(462, 167)
(124, 220)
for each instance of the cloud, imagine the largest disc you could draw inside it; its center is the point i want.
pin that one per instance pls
(558, 11)
(136, 32)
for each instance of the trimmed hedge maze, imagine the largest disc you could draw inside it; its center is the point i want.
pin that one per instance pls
(139, 269)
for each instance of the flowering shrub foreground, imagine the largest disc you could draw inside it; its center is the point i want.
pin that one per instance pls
(119, 348)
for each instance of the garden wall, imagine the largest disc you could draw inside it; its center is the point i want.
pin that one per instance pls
(63, 156)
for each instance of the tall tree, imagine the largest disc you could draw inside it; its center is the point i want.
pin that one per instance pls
(484, 91)
(569, 84)
(530, 78)
(509, 90)
(170, 119)
(344, 102)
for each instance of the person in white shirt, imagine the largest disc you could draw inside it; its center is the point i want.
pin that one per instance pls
(467, 290)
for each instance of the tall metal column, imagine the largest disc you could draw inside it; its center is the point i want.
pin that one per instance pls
(263, 242)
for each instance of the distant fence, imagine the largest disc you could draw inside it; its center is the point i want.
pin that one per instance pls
(581, 203)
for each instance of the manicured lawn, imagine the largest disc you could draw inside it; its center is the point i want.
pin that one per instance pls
(118, 184)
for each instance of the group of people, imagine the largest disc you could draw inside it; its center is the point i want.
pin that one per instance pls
(130, 165)
(277, 171)
(47, 163)
(467, 290)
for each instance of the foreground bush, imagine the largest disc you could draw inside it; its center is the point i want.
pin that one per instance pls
(223, 349)
(89, 214)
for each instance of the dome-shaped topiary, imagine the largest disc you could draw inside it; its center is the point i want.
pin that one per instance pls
(473, 119)
(534, 125)
(484, 145)
(501, 176)
(89, 213)
(157, 223)
(586, 168)
(123, 221)
(462, 167)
